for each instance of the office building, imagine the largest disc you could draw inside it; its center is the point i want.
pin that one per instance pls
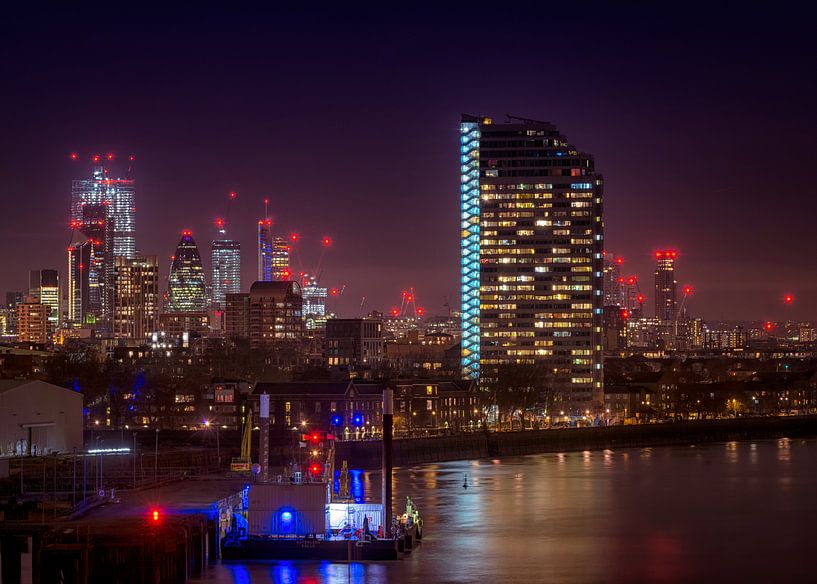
(273, 254)
(314, 305)
(531, 256)
(226, 267)
(136, 297)
(116, 194)
(187, 291)
(44, 285)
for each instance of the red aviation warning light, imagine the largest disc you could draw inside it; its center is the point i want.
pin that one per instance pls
(333, 292)
(74, 156)
(640, 298)
(625, 314)
(788, 299)
(327, 242)
(420, 311)
(621, 280)
(131, 158)
(109, 156)
(619, 260)
(285, 274)
(232, 195)
(768, 326)
(187, 233)
(394, 312)
(220, 222)
(315, 469)
(631, 280)
(659, 255)
(688, 290)
(293, 236)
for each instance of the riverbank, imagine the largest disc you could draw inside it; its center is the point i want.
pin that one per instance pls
(411, 451)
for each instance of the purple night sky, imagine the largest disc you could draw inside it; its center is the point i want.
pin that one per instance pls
(703, 122)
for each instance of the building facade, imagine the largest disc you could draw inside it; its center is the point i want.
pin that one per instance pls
(187, 290)
(32, 322)
(531, 255)
(666, 295)
(117, 195)
(314, 305)
(44, 285)
(354, 342)
(226, 268)
(136, 297)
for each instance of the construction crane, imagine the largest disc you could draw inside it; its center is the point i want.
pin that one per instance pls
(243, 463)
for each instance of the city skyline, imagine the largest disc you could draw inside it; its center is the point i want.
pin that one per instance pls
(665, 189)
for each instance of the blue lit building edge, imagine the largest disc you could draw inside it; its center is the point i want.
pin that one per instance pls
(469, 247)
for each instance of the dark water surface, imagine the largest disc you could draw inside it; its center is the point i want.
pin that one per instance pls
(728, 512)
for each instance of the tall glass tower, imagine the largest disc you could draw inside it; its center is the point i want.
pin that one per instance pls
(187, 291)
(226, 267)
(117, 195)
(666, 294)
(531, 256)
(273, 254)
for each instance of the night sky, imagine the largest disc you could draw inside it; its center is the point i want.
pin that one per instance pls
(703, 121)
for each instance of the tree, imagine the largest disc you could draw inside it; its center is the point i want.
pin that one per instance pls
(519, 387)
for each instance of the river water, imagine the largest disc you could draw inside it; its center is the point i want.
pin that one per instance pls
(726, 512)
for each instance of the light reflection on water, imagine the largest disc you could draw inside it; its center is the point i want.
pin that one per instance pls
(740, 511)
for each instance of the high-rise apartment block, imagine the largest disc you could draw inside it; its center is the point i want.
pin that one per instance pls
(136, 297)
(32, 321)
(666, 296)
(531, 256)
(314, 304)
(271, 314)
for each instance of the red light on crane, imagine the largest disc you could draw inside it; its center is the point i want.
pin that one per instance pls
(74, 156)
(109, 156)
(220, 222)
(232, 195)
(131, 158)
(410, 298)
(631, 280)
(394, 312)
(788, 299)
(687, 290)
(619, 260)
(768, 326)
(293, 236)
(327, 242)
(625, 314)
(333, 292)
(621, 280)
(420, 311)
(96, 158)
(640, 298)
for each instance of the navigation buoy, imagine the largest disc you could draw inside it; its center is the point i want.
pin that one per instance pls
(465, 482)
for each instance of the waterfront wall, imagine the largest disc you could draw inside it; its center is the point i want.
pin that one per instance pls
(411, 451)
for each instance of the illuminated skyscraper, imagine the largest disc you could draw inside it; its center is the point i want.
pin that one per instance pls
(666, 297)
(531, 247)
(90, 267)
(273, 254)
(136, 297)
(314, 308)
(612, 280)
(187, 291)
(226, 267)
(44, 285)
(117, 194)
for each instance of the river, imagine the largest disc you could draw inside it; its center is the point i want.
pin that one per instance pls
(724, 512)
